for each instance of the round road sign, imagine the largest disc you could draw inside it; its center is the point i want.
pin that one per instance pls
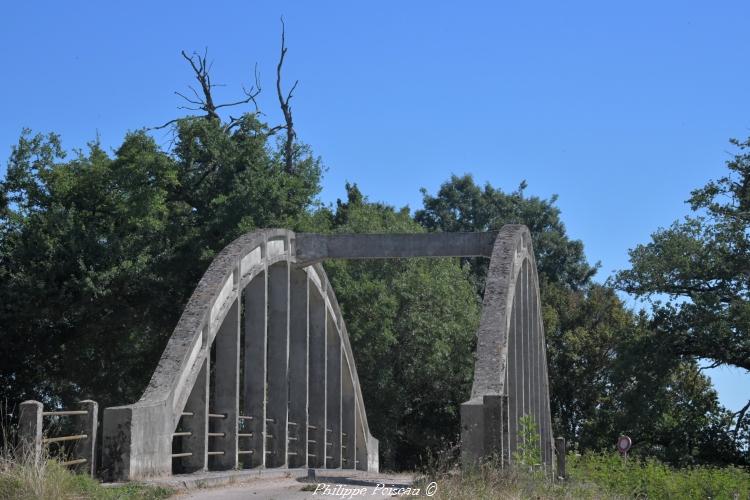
(623, 444)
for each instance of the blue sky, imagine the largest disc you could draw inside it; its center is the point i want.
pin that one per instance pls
(620, 109)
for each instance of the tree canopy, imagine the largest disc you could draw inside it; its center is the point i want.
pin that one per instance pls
(696, 273)
(98, 254)
(603, 359)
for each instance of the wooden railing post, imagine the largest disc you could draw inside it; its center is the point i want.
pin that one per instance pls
(30, 429)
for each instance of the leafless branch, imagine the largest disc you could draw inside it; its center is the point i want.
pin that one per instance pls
(170, 122)
(708, 367)
(203, 100)
(201, 68)
(285, 108)
(740, 415)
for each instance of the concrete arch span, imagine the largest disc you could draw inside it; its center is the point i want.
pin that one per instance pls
(510, 373)
(259, 371)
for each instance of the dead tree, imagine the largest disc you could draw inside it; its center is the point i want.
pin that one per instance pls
(204, 101)
(285, 108)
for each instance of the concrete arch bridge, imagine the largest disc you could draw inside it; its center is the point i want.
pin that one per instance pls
(259, 371)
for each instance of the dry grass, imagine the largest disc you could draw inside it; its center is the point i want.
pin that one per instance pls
(25, 476)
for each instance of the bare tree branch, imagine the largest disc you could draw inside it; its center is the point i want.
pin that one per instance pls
(740, 415)
(170, 122)
(708, 367)
(201, 68)
(285, 108)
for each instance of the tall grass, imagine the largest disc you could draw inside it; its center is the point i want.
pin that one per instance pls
(591, 476)
(653, 479)
(24, 476)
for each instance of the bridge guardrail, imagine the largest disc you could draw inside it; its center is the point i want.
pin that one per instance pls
(31, 433)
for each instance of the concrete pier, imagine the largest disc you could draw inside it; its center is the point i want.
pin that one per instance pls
(195, 422)
(278, 365)
(298, 370)
(223, 416)
(333, 397)
(316, 436)
(254, 373)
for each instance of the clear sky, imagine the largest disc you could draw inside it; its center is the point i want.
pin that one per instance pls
(620, 109)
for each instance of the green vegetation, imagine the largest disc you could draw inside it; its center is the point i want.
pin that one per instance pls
(650, 478)
(100, 251)
(593, 476)
(99, 254)
(411, 324)
(529, 453)
(610, 371)
(23, 478)
(695, 274)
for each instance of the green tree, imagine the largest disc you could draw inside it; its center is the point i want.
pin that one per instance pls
(461, 205)
(412, 324)
(605, 363)
(696, 273)
(99, 254)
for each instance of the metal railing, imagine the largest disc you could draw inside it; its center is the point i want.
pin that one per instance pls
(179, 434)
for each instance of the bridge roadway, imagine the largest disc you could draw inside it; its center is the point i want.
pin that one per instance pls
(273, 485)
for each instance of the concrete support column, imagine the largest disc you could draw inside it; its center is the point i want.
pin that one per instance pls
(86, 448)
(523, 316)
(316, 436)
(254, 373)
(360, 440)
(560, 450)
(278, 365)
(539, 380)
(514, 379)
(333, 397)
(506, 422)
(223, 435)
(195, 421)
(30, 428)
(298, 336)
(348, 411)
(483, 429)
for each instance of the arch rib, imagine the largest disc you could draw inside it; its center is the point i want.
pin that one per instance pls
(138, 438)
(510, 377)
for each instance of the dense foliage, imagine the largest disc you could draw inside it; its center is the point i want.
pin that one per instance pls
(99, 253)
(697, 271)
(412, 324)
(609, 372)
